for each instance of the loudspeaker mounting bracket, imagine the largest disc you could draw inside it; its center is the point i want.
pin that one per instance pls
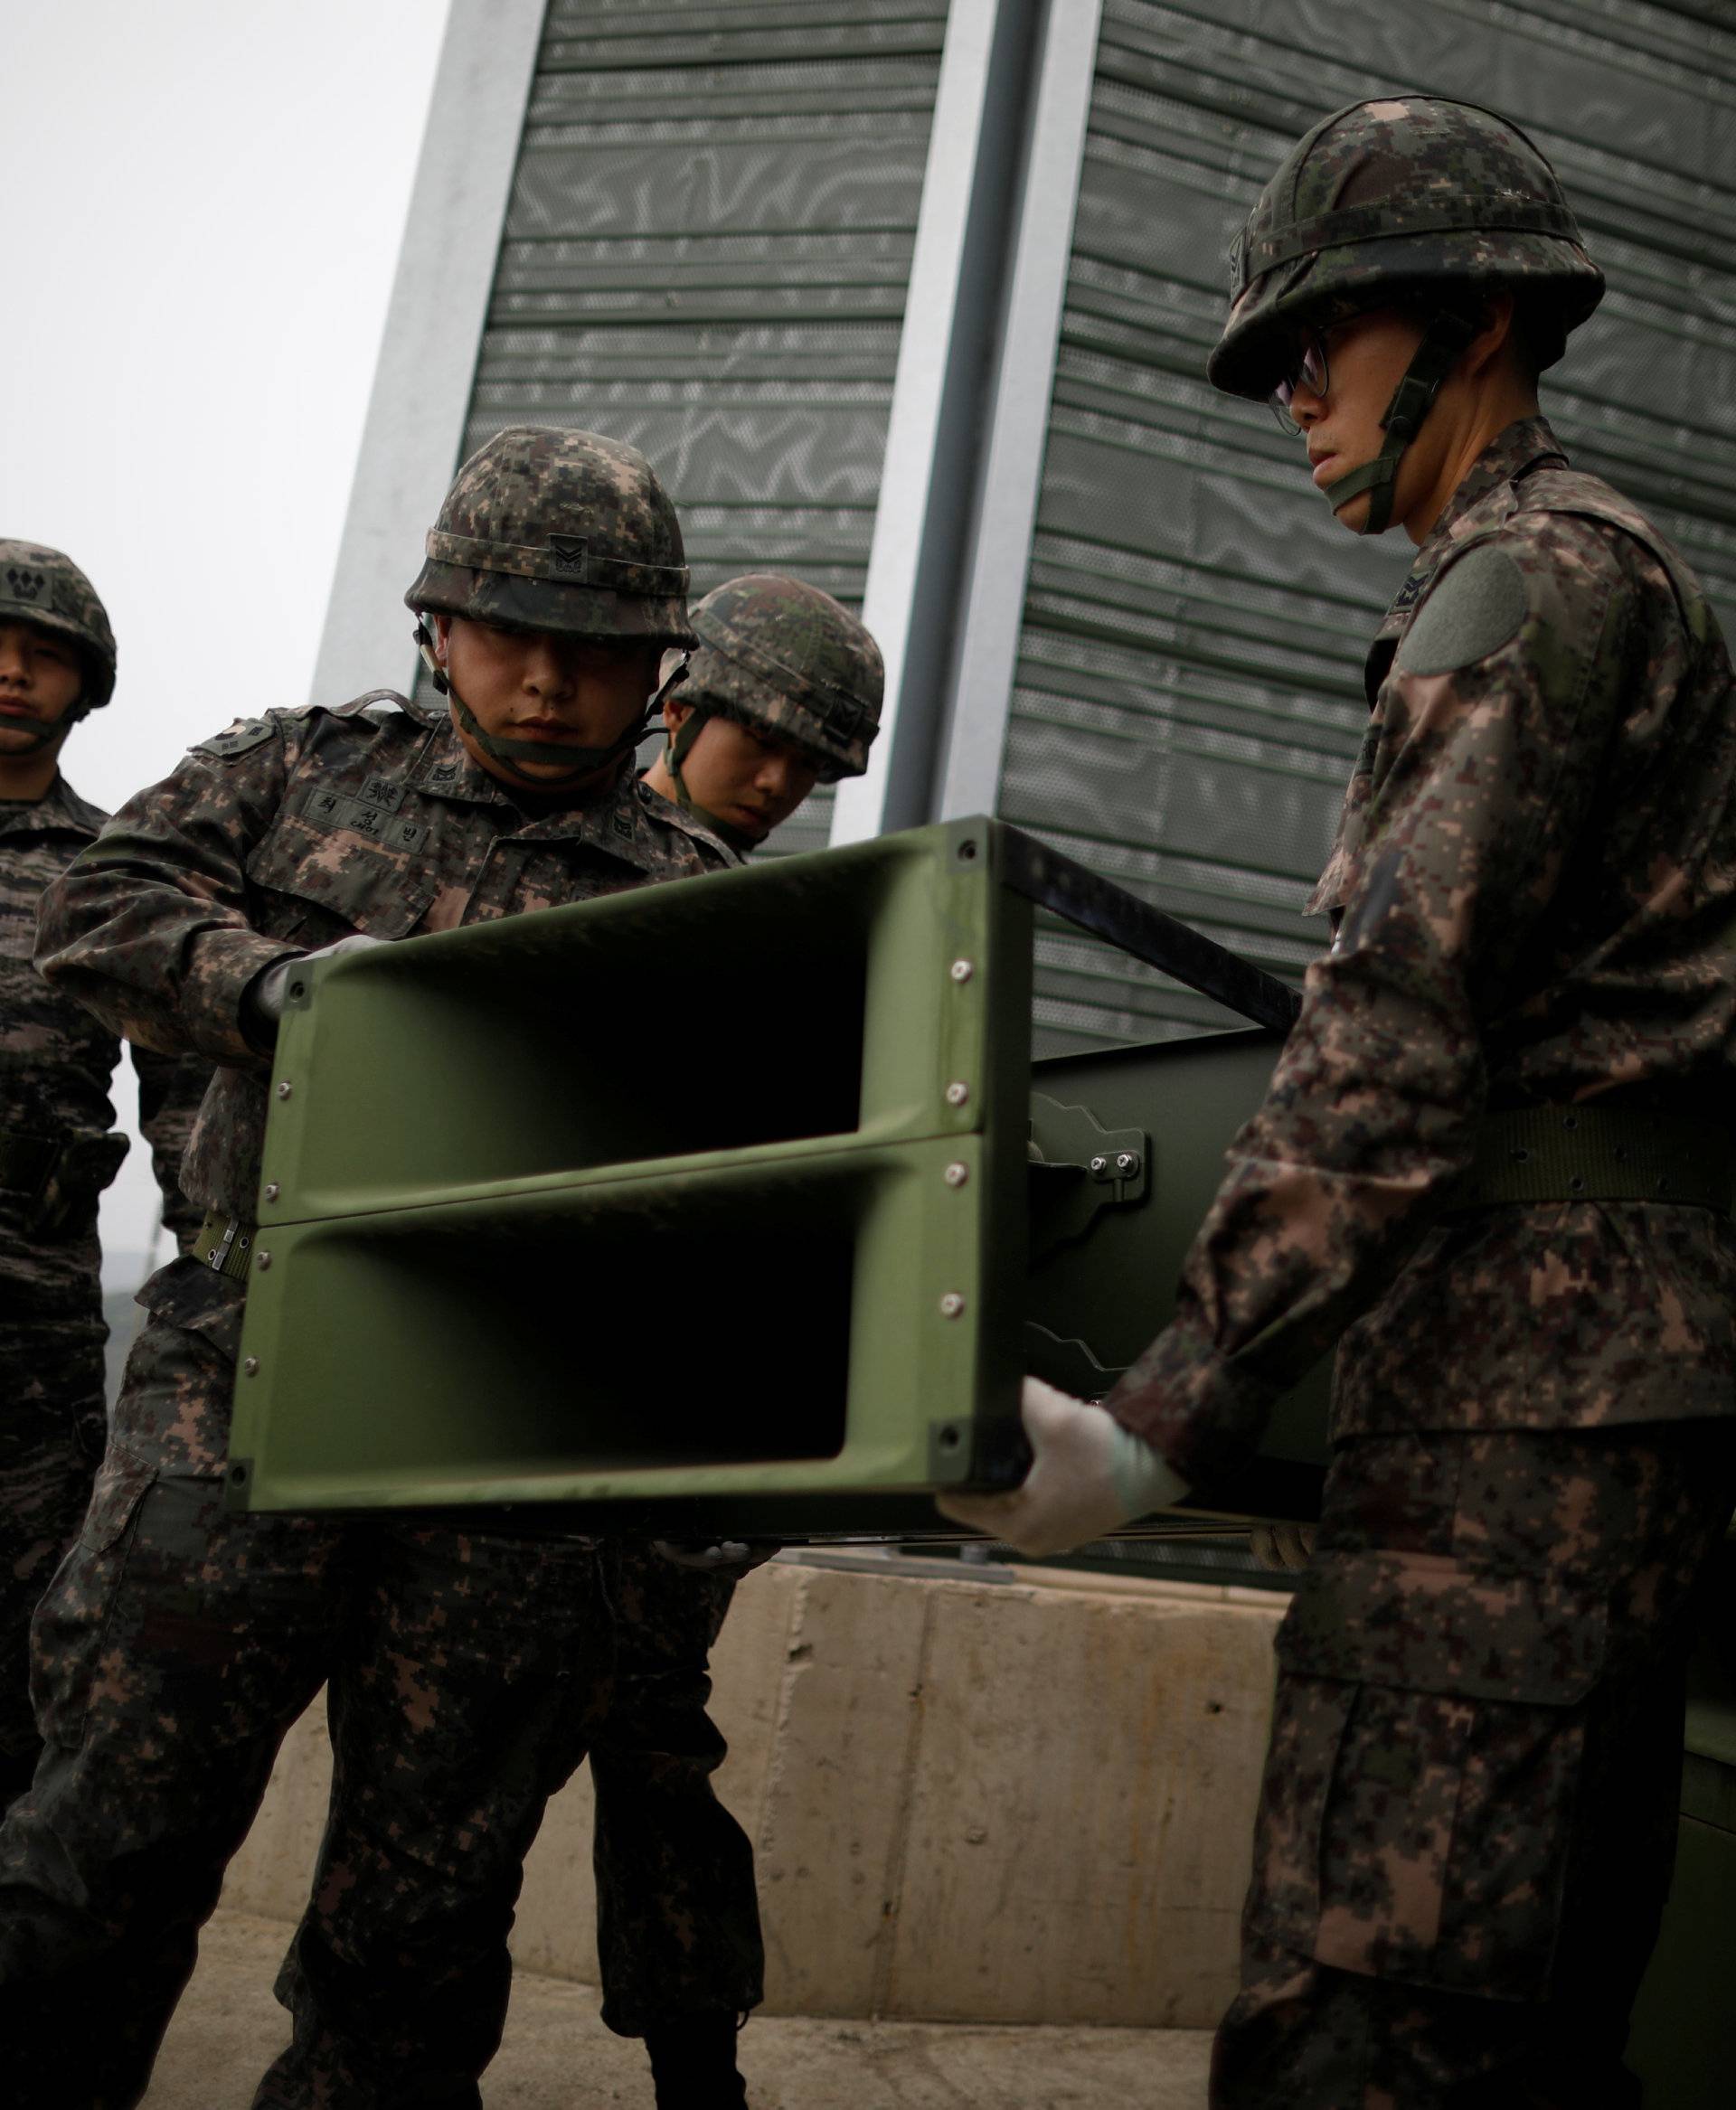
(1078, 1169)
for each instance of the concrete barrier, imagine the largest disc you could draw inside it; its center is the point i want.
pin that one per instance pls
(975, 1794)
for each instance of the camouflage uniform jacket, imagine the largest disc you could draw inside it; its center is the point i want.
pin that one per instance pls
(666, 810)
(1533, 891)
(56, 1061)
(283, 834)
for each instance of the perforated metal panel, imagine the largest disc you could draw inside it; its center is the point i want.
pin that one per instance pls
(1188, 698)
(706, 254)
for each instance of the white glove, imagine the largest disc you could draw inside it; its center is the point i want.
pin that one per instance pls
(262, 1006)
(1277, 1548)
(1088, 1477)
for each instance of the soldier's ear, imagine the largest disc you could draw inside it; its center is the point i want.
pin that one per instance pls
(676, 714)
(1495, 329)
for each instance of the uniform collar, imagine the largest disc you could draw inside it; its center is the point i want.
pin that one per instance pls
(674, 816)
(59, 811)
(612, 822)
(445, 770)
(616, 820)
(1510, 455)
(1516, 452)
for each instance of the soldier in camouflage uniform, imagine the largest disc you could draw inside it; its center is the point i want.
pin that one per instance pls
(784, 686)
(57, 1151)
(783, 693)
(179, 1642)
(1494, 1166)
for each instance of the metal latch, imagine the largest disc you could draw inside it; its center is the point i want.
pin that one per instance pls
(1079, 1167)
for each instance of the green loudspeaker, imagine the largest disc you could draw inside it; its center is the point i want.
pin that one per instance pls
(732, 1204)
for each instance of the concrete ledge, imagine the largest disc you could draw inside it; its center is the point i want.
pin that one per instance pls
(986, 1801)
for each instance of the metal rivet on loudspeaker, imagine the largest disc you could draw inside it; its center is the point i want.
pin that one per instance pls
(261, 1261)
(962, 970)
(272, 1191)
(951, 1305)
(957, 1092)
(957, 1173)
(251, 1368)
(284, 1088)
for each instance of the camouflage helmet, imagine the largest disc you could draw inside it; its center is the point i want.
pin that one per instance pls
(546, 529)
(1415, 197)
(40, 585)
(786, 659)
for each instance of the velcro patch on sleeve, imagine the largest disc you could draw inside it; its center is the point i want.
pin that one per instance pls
(1476, 606)
(242, 737)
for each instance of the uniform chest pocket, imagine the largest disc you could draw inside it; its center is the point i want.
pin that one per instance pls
(330, 868)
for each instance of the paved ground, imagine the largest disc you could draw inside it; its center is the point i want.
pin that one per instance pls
(559, 2057)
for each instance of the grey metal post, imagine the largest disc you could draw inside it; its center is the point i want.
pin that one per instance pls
(434, 324)
(1000, 556)
(921, 527)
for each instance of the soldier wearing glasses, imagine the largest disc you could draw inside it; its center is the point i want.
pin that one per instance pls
(1502, 1123)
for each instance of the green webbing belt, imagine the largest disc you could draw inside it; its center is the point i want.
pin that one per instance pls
(25, 1163)
(225, 1244)
(1600, 1153)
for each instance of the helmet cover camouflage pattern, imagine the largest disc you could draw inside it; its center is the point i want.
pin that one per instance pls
(42, 586)
(784, 658)
(1409, 196)
(547, 529)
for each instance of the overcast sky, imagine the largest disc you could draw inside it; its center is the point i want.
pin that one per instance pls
(205, 203)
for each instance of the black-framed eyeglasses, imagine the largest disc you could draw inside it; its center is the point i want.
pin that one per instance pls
(1308, 369)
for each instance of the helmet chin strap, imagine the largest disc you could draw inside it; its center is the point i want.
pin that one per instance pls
(1445, 338)
(48, 736)
(582, 762)
(681, 744)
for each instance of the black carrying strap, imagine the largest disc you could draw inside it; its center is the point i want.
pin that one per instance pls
(1536, 1155)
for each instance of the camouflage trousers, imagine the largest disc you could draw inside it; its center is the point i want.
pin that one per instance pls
(174, 1650)
(678, 1914)
(51, 1438)
(1469, 1812)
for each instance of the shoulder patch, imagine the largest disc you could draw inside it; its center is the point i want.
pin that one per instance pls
(1474, 609)
(243, 736)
